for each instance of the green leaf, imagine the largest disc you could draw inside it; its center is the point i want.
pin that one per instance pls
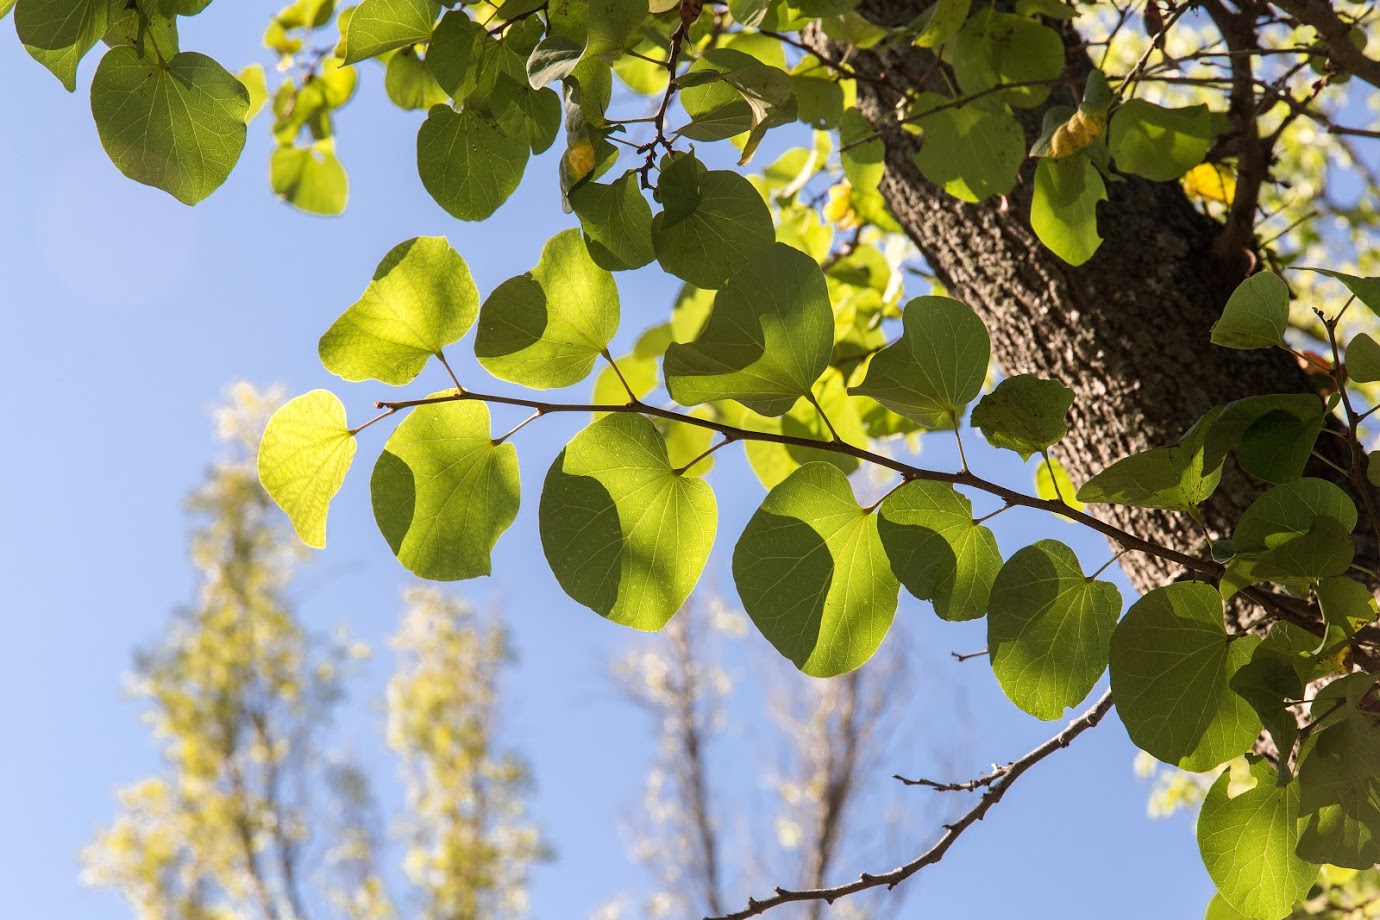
(1172, 664)
(303, 457)
(813, 575)
(1291, 510)
(420, 300)
(1256, 314)
(940, 22)
(554, 58)
(936, 368)
(5, 7)
(58, 33)
(1219, 909)
(1346, 604)
(467, 163)
(545, 329)
(1339, 789)
(1052, 483)
(310, 179)
(1024, 413)
(1248, 844)
(773, 462)
(1367, 290)
(1177, 477)
(1266, 681)
(443, 492)
(1000, 48)
(1326, 549)
(256, 84)
(1363, 359)
(937, 550)
(1273, 434)
(974, 150)
(1063, 212)
(1049, 629)
(409, 83)
(1159, 143)
(728, 92)
(457, 54)
(378, 26)
(610, 23)
(625, 535)
(767, 341)
(617, 222)
(178, 127)
(710, 228)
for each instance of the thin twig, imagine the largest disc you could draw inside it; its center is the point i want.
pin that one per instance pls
(996, 789)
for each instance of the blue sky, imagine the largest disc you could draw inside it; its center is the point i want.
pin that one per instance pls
(126, 315)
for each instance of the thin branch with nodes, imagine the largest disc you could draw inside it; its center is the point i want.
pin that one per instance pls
(996, 788)
(1289, 610)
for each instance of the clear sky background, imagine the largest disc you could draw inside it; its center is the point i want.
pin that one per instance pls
(126, 315)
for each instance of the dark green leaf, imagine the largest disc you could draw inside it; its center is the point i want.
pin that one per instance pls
(58, 33)
(467, 163)
(178, 127)
(1024, 413)
(708, 235)
(617, 222)
(1256, 315)
(377, 26)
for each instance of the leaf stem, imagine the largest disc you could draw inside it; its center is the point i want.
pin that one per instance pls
(441, 356)
(632, 397)
(518, 427)
(728, 439)
(1108, 564)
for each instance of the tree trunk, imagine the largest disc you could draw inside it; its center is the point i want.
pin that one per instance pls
(1128, 330)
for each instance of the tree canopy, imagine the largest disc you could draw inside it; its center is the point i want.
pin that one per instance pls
(1228, 139)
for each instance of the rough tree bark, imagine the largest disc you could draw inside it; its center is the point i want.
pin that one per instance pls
(1128, 330)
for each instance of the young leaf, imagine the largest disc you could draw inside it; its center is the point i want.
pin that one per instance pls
(467, 162)
(1000, 48)
(936, 368)
(546, 328)
(303, 457)
(1024, 413)
(1159, 143)
(1256, 314)
(179, 127)
(1052, 483)
(624, 533)
(443, 492)
(311, 179)
(58, 33)
(1063, 212)
(617, 222)
(813, 575)
(767, 340)
(1248, 844)
(938, 552)
(1049, 628)
(1172, 664)
(377, 26)
(421, 299)
(707, 235)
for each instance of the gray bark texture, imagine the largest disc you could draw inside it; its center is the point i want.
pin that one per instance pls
(1128, 330)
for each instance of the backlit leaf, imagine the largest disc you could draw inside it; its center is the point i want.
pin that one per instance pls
(936, 368)
(812, 573)
(303, 457)
(1172, 664)
(767, 340)
(59, 33)
(1024, 413)
(377, 26)
(420, 300)
(625, 535)
(1063, 212)
(443, 492)
(1049, 628)
(1157, 142)
(467, 163)
(1256, 314)
(938, 552)
(707, 235)
(547, 327)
